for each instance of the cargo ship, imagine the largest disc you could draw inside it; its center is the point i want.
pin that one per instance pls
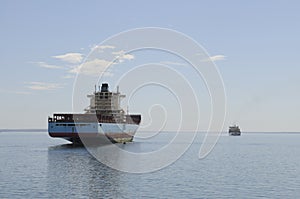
(104, 120)
(234, 130)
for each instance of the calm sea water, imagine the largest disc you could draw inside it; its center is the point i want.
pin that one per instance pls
(255, 165)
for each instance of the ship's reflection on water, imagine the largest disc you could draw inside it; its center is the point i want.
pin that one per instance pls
(72, 171)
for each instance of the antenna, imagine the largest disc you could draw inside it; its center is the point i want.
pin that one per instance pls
(95, 88)
(127, 110)
(117, 89)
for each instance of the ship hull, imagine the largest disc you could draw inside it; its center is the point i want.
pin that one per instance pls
(235, 133)
(93, 133)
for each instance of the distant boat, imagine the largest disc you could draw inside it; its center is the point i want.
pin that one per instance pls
(234, 130)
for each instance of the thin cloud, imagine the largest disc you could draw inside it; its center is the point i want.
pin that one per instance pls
(122, 56)
(103, 47)
(68, 76)
(173, 63)
(93, 68)
(45, 65)
(98, 67)
(74, 65)
(213, 58)
(73, 58)
(217, 57)
(42, 86)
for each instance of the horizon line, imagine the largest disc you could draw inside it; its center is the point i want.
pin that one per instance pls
(167, 131)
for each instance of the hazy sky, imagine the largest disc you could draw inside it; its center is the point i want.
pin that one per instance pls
(255, 45)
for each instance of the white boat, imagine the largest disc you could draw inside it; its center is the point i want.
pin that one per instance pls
(234, 130)
(103, 119)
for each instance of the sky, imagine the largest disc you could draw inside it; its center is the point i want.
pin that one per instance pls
(254, 44)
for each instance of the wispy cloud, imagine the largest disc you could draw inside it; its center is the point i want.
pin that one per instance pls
(217, 57)
(45, 65)
(103, 47)
(173, 63)
(42, 86)
(122, 56)
(213, 58)
(73, 64)
(97, 67)
(73, 58)
(93, 68)
(68, 76)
